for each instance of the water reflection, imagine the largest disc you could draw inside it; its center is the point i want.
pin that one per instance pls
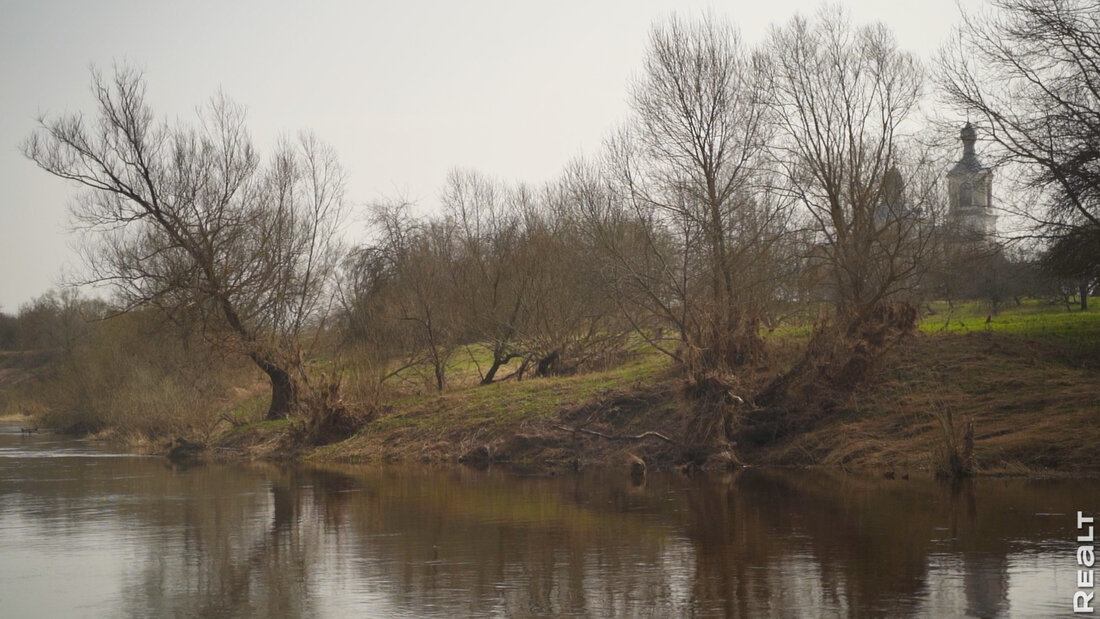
(105, 536)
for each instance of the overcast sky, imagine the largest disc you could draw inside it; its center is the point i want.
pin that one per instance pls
(403, 90)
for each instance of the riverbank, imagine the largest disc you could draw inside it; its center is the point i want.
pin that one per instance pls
(1028, 380)
(1030, 386)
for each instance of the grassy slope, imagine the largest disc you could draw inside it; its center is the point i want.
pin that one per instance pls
(1029, 379)
(1034, 407)
(445, 426)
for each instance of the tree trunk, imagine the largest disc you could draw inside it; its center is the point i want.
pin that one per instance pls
(284, 388)
(1083, 288)
(491, 374)
(499, 359)
(440, 377)
(284, 395)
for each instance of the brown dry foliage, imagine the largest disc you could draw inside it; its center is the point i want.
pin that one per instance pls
(838, 359)
(324, 415)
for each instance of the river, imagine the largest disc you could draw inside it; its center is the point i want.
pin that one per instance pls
(88, 532)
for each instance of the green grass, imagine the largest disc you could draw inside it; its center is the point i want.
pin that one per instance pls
(790, 331)
(501, 405)
(1031, 319)
(250, 409)
(468, 363)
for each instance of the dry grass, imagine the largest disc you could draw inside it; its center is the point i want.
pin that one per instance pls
(1033, 409)
(1033, 399)
(125, 378)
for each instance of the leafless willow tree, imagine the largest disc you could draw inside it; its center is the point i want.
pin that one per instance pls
(190, 219)
(841, 96)
(681, 203)
(491, 274)
(1029, 70)
(403, 293)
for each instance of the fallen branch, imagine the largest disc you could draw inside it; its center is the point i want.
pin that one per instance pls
(619, 437)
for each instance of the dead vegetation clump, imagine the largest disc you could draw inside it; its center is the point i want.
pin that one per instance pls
(1034, 410)
(324, 416)
(953, 453)
(712, 388)
(580, 355)
(531, 450)
(837, 359)
(722, 352)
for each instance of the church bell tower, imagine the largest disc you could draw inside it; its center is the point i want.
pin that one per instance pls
(970, 186)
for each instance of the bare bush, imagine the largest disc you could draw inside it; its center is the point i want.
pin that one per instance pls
(326, 417)
(128, 373)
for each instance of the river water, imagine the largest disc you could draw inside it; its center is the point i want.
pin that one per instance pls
(88, 532)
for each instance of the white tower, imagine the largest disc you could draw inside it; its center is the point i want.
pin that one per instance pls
(971, 192)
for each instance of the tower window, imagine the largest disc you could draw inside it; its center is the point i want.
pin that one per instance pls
(966, 194)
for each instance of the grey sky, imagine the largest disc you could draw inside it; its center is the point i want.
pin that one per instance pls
(403, 90)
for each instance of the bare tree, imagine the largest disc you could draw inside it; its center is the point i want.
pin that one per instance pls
(501, 267)
(190, 220)
(385, 346)
(1030, 71)
(571, 323)
(405, 276)
(489, 277)
(1073, 259)
(841, 96)
(683, 205)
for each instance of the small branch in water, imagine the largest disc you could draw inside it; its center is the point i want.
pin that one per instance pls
(619, 437)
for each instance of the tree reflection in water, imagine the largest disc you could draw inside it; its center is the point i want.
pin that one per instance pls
(262, 540)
